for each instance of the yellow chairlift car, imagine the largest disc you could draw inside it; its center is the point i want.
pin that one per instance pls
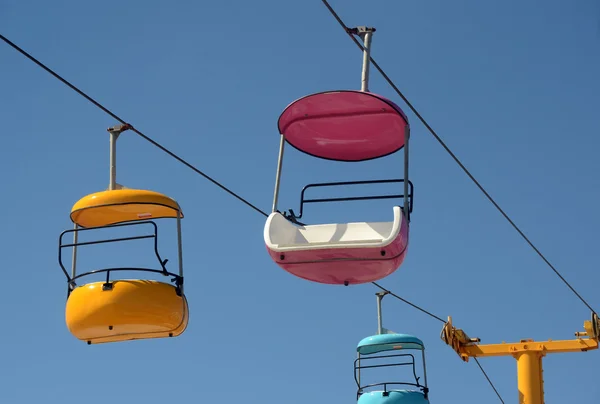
(123, 309)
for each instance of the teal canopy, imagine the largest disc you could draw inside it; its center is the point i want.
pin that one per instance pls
(388, 342)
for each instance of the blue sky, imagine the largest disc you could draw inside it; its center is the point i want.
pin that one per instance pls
(511, 87)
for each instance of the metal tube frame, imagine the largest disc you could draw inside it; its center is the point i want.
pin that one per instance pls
(179, 248)
(114, 135)
(74, 257)
(367, 38)
(411, 363)
(380, 296)
(177, 278)
(358, 373)
(406, 209)
(292, 216)
(278, 176)
(424, 368)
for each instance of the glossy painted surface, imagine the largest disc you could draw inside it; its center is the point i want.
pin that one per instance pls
(394, 397)
(135, 309)
(388, 342)
(354, 265)
(344, 125)
(122, 205)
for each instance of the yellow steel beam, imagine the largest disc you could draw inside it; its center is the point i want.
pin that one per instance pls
(469, 347)
(528, 354)
(544, 347)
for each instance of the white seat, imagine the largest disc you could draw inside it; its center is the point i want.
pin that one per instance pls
(282, 235)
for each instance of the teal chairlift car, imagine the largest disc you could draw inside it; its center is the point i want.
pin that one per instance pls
(389, 349)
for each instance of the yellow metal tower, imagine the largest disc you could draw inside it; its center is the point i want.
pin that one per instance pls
(528, 354)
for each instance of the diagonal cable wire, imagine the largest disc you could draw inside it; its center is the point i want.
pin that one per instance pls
(414, 110)
(488, 379)
(409, 303)
(113, 115)
(440, 319)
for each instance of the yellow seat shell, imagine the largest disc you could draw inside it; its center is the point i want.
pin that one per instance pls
(122, 205)
(132, 309)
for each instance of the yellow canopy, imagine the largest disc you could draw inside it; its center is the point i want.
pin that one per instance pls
(123, 205)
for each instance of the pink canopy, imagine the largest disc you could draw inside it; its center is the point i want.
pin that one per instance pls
(344, 125)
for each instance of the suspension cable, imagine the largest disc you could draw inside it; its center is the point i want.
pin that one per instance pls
(113, 115)
(414, 110)
(489, 380)
(442, 320)
(409, 303)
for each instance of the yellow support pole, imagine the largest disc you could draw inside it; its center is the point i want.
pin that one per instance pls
(529, 376)
(528, 354)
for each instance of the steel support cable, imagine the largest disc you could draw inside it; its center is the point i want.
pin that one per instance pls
(424, 122)
(97, 104)
(442, 320)
(409, 303)
(489, 380)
